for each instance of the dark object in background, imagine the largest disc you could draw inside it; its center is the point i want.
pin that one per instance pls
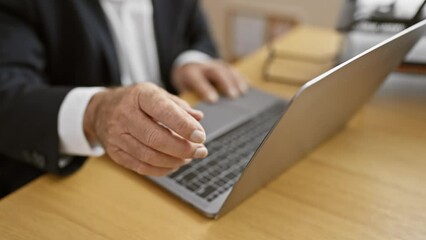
(386, 14)
(383, 19)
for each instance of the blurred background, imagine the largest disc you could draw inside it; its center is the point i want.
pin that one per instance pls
(242, 26)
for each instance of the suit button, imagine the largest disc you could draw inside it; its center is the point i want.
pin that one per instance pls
(26, 156)
(39, 160)
(34, 158)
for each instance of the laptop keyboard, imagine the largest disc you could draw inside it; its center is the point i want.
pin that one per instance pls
(229, 155)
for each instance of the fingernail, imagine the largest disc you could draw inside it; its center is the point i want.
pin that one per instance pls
(201, 152)
(198, 136)
(233, 92)
(198, 112)
(212, 97)
(187, 161)
(244, 87)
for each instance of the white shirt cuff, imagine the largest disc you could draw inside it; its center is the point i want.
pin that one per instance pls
(191, 56)
(70, 123)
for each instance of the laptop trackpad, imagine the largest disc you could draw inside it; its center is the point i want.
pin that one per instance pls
(227, 114)
(220, 117)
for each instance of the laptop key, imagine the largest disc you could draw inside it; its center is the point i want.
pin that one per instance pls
(188, 177)
(193, 187)
(180, 171)
(207, 191)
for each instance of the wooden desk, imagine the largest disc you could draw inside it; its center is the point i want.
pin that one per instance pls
(368, 182)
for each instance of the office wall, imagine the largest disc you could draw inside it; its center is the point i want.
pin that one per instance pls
(324, 13)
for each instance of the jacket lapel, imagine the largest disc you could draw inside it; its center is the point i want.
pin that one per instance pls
(166, 26)
(101, 27)
(161, 17)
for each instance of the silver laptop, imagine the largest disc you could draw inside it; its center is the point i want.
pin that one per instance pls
(254, 139)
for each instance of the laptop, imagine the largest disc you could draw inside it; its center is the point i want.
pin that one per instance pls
(255, 138)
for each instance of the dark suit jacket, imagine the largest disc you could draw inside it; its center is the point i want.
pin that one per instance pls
(48, 47)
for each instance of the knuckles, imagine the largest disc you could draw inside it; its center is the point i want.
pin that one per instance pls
(152, 137)
(161, 109)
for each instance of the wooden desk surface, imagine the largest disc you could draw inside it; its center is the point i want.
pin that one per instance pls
(368, 182)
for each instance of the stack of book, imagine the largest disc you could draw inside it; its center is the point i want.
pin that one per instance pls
(302, 54)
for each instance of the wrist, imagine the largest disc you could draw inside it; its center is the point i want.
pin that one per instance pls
(89, 120)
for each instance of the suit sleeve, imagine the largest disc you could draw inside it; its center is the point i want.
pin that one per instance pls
(199, 35)
(29, 106)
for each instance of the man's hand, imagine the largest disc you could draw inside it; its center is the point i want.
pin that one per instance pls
(209, 78)
(145, 129)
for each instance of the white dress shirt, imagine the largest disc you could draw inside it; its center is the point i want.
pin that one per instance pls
(132, 26)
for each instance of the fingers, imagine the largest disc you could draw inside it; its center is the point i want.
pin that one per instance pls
(228, 80)
(160, 107)
(240, 81)
(148, 155)
(162, 139)
(223, 80)
(129, 162)
(204, 79)
(198, 115)
(198, 82)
